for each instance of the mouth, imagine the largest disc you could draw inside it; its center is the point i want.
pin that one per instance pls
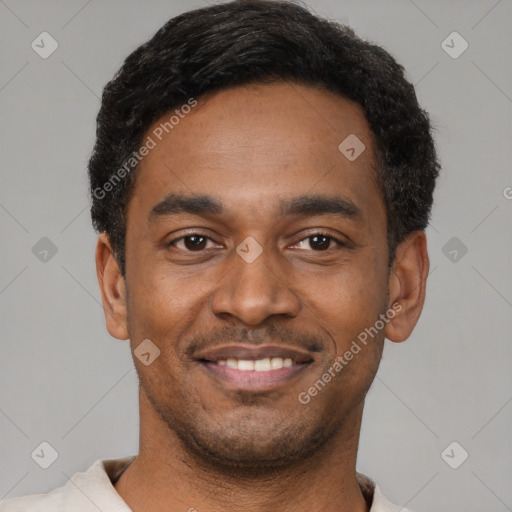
(254, 368)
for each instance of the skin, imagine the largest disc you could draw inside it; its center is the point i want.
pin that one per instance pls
(207, 445)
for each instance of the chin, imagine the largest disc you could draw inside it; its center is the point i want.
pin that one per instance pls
(253, 445)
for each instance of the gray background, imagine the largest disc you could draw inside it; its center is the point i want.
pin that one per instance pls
(64, 380)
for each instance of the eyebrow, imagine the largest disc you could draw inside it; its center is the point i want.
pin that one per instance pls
(321, 205)
(305, 205)
(174, 204)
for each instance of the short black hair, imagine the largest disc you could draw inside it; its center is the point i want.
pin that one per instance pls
(261, 41)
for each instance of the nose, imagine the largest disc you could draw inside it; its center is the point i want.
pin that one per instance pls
(253, 292)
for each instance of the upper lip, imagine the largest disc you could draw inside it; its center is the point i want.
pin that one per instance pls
(254, 353)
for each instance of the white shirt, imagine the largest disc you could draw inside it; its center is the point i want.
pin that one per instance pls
(93, 490)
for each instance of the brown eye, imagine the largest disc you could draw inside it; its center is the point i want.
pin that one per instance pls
(191, 243)
(319, 242)
(194, 242)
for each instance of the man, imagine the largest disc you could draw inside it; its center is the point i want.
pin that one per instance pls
(261, 183)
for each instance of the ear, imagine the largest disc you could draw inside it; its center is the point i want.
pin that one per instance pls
(112, 286)
(407, 285)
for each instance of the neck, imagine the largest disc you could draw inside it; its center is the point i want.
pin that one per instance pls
(165, 476)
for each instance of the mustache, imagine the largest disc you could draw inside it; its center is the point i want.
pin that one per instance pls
(271, 334)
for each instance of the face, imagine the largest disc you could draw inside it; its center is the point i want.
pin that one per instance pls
(255, 255)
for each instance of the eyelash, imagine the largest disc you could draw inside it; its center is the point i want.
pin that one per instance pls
(339, 242)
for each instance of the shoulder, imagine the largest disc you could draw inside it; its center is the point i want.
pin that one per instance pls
(85, 492)
(374, 497)
(34, 502)
(382, 504)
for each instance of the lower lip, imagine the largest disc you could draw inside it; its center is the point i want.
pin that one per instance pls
(252, 380)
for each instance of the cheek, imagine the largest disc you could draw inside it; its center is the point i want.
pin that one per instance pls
(348, 312)
(349, 301)
(166, 308)
(158, 304)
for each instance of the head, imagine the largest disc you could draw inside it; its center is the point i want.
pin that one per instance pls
(261, 189)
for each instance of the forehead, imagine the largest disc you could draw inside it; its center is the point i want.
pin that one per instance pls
(249, 145)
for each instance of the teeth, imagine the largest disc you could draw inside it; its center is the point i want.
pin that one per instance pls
(260, 365)
(276, 363)
(245, 365)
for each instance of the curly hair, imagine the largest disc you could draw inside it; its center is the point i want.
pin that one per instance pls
(261, 41)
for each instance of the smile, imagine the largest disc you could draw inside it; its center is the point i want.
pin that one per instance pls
(254, 368)
(260, 365)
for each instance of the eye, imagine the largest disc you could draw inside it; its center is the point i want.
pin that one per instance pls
(321, 242)
(194, 242)
(197, 242)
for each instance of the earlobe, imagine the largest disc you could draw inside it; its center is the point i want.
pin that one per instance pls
(112, 287)
(407, 285)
